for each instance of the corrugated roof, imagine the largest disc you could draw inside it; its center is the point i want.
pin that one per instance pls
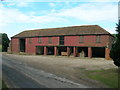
(73, 30)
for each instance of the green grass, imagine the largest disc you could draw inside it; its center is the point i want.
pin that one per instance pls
(0, 48)
(0, 84)
(108, 77)
(3, 85)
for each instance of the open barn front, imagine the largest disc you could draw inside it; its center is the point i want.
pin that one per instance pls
(82, 51)
(50, 50)
(71, 52)
(22, 45)
(62, 50)
(98, 52)
(39, 50)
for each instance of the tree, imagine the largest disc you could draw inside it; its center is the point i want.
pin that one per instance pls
(5, 42)
(0, 38)
(115, 50)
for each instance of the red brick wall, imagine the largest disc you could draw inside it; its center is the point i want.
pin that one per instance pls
(15, 45)
(69, 41)
(107, 54)
(111, 40)
(55, 41)
(31, 47)
(88, 41)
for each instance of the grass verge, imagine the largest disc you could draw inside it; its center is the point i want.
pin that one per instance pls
(108, 77)
(0, 48)
(4, 85)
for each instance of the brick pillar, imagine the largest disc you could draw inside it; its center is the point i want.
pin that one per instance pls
(55, 51)
(89, 52)
(68, 51)
(75, 51)
(45, 50)
(107, 53)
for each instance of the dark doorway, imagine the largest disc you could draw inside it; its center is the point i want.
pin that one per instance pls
(22, 45)
(50, 50)
(39, 50)
(71, 51)
(62, 50)
(98, 52)
(83, 51)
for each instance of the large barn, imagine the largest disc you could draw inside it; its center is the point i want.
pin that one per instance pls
(79, 41)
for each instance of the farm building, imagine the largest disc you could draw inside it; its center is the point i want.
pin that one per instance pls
(79, 41)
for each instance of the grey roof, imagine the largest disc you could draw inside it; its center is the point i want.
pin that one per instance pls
(73, 30)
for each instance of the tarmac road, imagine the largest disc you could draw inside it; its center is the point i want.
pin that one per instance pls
(19, 75)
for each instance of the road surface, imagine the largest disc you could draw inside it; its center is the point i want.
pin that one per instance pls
(19, 75)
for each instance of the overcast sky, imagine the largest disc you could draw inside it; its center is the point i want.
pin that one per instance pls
(19, 15)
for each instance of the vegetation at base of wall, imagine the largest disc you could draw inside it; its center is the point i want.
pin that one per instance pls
(4, 87)
(108, 77)
(0, 48)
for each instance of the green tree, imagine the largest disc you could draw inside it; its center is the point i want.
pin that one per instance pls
(115, 50)
(5, 42)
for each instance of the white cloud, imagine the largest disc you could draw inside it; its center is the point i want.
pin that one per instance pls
(11, 4)
(52, 4)
(86, 12)
(111, 30)
(92, 12)
(63, 0)
(22, 4)
(46, 19)
(9, 16)
(18, 4)
(103, 0)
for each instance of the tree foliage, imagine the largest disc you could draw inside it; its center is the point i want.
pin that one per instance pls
(0, 38)
(5, 42)
(115, 50)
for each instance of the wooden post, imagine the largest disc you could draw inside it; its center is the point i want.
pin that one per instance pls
(45, 51)
(89, 52)
(68, 51)
(75, 51)
(55, 51)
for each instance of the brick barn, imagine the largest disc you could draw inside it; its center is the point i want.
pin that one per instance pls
(79, 41)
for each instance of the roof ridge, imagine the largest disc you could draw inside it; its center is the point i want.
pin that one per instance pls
(71, 30)
(59, 28)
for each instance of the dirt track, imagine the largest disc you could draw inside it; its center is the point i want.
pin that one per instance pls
(68, 67)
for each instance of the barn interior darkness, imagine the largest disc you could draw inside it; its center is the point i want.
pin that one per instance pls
(22, 45)
(39, 50)
(62, 49)
(82, 51)
(71, 51)
(50, 50)
(98, 52)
